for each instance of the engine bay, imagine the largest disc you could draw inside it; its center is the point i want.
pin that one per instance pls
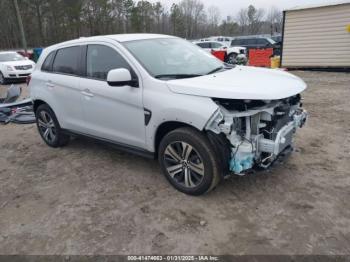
(258, 131)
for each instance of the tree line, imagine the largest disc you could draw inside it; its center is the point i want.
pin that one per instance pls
(51, 21)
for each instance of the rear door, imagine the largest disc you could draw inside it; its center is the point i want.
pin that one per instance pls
(111, 112)
(63, 83)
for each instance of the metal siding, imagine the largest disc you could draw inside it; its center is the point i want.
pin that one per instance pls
(317, 37)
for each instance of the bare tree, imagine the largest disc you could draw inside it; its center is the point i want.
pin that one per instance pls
(213, 19)
(242, 19)
(193, 11)
(158, 11)
(274, 18)
(255, 19)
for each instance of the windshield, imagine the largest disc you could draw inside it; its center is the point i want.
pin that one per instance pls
(7, 57)
(175, 57)
(271, 41)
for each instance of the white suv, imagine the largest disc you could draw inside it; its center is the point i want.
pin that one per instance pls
(163, 97)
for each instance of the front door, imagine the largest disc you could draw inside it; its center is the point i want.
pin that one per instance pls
(110, 112)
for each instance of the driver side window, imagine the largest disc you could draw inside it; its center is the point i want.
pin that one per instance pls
(101, 59)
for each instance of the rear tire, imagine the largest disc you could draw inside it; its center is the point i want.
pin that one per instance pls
(189, 162)
(49, 128)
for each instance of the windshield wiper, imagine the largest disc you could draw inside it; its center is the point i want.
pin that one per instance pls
(177, 76)
(215, 70)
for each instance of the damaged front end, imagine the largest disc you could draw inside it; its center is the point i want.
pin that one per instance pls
(258, 131)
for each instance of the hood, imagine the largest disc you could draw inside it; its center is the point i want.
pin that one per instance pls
(18, 63)
(241, 82)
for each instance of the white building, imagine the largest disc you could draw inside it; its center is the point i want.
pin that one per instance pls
(317, 36)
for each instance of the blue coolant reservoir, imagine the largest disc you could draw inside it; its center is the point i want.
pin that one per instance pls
(242, 158)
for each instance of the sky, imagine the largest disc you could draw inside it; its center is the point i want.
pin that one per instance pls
(231, 7)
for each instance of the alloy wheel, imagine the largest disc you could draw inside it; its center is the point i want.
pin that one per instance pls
(183, 164)
(232, 59)
(47, 126)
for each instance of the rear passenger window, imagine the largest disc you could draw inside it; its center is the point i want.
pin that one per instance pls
(47, 65)
(236, 42)
(101, 59)
(66, 60)
(251, 41)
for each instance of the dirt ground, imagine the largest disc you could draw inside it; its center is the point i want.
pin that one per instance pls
(87, 198)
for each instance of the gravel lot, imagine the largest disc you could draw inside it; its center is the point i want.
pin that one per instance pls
(91, 199)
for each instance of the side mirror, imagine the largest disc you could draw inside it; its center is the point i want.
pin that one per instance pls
(121, 77)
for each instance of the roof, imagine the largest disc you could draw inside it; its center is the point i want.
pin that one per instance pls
(132, 37)
(7, 52)
(251, 36)
(334, 3)
(119, 38)
(206, 41)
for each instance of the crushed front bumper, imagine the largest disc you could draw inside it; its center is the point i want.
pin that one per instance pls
(284, 136)
(248, 154)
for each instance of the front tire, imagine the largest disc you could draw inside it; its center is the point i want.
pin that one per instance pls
(232, 58)
(49, 128)
(2, 79)
(188, 161)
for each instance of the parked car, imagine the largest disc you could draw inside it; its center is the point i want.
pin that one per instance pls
(226, 40)
(231, 52)
(203, 119)
(210, 46)
(256, 42)
(277, 39)
(14, 66)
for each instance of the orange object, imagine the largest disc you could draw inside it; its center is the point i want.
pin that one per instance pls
(219, 54)
(260, 57)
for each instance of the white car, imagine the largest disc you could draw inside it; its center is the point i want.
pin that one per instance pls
(203, 119)
(231, 52)
(226, 40)
(14, 66)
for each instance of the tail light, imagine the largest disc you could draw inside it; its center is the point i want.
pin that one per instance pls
(28, 79)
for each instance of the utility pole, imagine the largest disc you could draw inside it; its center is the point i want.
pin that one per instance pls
(21, 29)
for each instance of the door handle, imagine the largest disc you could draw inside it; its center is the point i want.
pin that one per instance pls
(87, 92)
